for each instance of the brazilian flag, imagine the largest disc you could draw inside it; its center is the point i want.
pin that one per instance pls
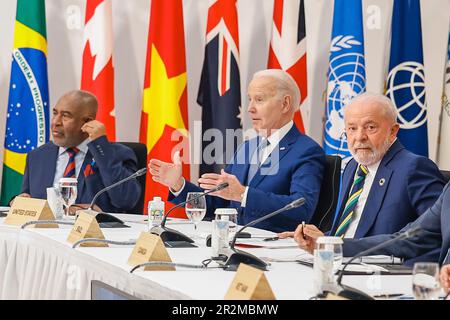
(27, 123)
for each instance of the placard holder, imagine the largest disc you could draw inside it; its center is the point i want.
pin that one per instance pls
(26, 209)
(150, 247)
(249, 283)
(86, 226)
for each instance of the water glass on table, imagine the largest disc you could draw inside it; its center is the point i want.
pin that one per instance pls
(425, 281)
(67, 188)
(195, 209)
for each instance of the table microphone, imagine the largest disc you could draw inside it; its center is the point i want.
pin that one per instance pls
(355, 294)
(168, 234)
(106, 217)
(237, 257)
(138, 173)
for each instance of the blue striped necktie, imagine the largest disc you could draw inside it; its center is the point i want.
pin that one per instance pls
(350, 205)
(69, 172)
(256, 159)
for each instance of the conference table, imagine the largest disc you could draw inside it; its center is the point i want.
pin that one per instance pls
(38, 263)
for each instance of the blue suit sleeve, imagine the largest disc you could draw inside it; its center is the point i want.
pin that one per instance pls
(429, 239)
(116, 162)
(425, 184)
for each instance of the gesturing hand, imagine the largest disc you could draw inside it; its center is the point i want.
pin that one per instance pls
(234, 190)
(166, 173)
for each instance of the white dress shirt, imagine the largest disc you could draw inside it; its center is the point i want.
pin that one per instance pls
(63, 159)
(368, 181)
(274, 140)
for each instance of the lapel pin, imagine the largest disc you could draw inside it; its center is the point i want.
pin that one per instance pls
(282, 148)
(382, 181)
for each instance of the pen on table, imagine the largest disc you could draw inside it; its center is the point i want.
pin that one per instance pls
(303, 228)
(389, 295)
(271, 239)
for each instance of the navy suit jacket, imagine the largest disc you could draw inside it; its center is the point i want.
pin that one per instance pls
(412, 184)
(296, 172)
(112, 163)
(435, 223)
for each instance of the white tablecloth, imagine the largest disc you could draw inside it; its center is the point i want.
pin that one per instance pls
(40, 264)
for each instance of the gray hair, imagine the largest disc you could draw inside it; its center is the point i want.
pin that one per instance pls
(389, 110)
(285, 84)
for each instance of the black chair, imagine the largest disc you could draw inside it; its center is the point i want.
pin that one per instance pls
(446, 175)
(329, 194)
(140, 150)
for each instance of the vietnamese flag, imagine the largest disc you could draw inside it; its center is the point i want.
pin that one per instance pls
(97, 75)
(164, 119)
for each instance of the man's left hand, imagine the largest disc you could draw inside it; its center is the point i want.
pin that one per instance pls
(234, 190)
(95, 129)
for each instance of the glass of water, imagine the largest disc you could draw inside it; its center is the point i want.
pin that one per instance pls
(425, 281)
(67, 188)
(195, 209)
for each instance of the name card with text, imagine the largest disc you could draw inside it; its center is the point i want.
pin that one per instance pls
(150, 247)
(249, 283)
(25, 210)
(86, 226)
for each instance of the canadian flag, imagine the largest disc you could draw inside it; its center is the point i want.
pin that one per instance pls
(288, 45)
(97, 75)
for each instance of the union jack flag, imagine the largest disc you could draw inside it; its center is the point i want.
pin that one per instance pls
(219, 93)
(288, 45)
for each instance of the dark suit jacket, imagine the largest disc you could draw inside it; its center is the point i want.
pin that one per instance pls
(412, 184)
(435, 236)
(112, 163)
(296, 172)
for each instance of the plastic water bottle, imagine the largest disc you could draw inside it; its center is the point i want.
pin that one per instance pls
(219, 237)
(155, 212)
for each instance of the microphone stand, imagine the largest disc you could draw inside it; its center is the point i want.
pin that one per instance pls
(168, 234)
(138, 173)
(105, 217)
(355, 294)
(237, 257)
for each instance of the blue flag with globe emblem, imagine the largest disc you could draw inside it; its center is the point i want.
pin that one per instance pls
(27, 110)
(346, 73)
(405, 84)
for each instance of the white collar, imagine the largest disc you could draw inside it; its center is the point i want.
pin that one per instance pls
(279, 134)
(82, 147)
(373, 167)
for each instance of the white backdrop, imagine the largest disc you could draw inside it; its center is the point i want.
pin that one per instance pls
(65, 20)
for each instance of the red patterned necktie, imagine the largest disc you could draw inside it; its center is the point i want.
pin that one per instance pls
(70, 168)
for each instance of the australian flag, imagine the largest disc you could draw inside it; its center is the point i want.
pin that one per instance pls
(219, 92)
(346, 73)
(406, 79)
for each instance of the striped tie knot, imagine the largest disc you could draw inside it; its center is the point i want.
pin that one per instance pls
(350, 205)
(69, 172)
(72, 151)
(362, 171)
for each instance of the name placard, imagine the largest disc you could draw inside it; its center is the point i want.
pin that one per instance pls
(150, 247)
(249, 283)
(86, 226)
(24, 210)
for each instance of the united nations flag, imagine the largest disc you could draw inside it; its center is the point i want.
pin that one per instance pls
(346, 74)
(28, 109)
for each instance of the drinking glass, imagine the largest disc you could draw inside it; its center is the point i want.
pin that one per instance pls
(425, 281)
(195, 208)
(67, 188)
